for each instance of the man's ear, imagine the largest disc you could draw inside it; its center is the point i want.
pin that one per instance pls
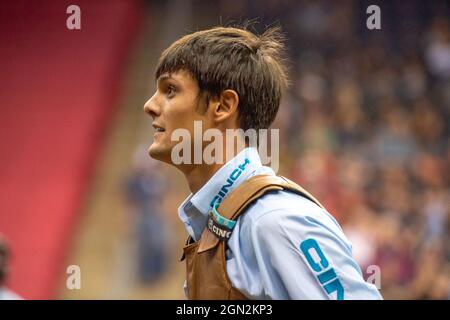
(226, 106)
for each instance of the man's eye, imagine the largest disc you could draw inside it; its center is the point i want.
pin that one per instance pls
(170, 91)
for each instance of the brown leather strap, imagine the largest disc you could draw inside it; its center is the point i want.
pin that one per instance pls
(255, 187)
(247, 192)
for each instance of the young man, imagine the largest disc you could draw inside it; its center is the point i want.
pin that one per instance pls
(252, 234)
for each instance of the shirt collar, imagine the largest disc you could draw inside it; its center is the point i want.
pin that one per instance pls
(194, 210)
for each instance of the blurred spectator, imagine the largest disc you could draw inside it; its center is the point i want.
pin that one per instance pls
(5, 293)
(145, 190)
(438, 50)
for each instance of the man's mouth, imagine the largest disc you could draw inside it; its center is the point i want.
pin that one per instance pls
(158, 128)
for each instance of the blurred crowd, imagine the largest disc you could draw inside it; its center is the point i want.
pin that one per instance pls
(365, 127)
(145, 187)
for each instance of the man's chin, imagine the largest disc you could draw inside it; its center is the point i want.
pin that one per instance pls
(159, 153)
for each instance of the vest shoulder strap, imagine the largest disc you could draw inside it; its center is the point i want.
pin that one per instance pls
(244, 195)
(252, 189)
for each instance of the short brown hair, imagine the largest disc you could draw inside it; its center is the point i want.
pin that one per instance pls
(224, 58)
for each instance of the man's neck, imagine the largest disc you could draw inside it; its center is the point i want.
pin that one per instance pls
(198, 175)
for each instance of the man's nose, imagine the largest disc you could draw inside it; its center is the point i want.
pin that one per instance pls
(151, 107)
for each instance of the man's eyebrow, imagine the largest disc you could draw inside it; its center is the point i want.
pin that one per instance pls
(163, 77)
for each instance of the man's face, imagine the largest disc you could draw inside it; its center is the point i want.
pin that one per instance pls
(173, 106)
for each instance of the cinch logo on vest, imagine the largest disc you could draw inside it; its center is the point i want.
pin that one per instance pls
(230, 181)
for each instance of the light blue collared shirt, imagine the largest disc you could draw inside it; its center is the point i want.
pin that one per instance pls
(284, 246)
